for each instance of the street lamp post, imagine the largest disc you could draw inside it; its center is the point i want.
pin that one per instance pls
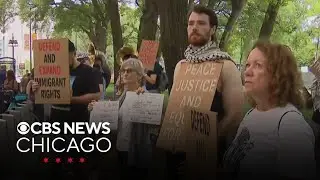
(13, 43)
(3, 30)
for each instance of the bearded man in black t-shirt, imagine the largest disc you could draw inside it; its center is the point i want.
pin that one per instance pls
(84, 82)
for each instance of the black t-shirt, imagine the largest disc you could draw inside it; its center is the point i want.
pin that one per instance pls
(157, 70)
(84, 80)
(99, 74)
(106, 74)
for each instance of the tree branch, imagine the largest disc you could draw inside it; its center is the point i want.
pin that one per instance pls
(128, 36)
(212, 3)
(97, 9)
(83, 2)
(137, 3)
(88, 32)
(74, 8)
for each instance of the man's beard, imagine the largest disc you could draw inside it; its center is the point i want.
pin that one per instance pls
(201, 41)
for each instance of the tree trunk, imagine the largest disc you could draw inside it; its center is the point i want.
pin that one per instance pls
(148, 22)
(99, 27)
(269, 20)
(190, 5)
(99, 38)
(173, 27)
(317, 49)
(100, 42)
(237, 7)
(160, 48)
(247, 45)
(249, 39)
(113, 10)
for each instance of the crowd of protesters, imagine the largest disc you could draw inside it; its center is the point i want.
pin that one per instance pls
(271, 140)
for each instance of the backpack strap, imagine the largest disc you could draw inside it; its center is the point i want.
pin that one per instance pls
(283, 116)
(250, 110)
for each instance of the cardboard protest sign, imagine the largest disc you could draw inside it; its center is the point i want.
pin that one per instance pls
(106, 111)
(27, 42)
(315, 69)
(148, 53)
(51, 71)
(201, 143)
(194, 86)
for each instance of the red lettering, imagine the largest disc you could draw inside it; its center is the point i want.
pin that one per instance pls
(49, 46)
(50, 70)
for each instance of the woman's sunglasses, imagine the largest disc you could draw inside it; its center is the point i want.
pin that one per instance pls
(128, 71)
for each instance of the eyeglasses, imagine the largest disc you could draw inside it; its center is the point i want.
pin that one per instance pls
(128, 71)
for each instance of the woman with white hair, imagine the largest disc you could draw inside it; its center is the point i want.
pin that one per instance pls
(134, 140)
(123, 54)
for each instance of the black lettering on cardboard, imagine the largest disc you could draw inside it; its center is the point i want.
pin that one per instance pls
(58, 94)
(50, 94)
(51, 82)
(207, 122)
(193, 119)
(49, 58)
(200, 122)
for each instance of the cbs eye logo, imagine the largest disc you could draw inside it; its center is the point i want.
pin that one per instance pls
(23, 128)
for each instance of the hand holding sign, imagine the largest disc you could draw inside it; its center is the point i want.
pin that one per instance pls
(35, 86)
(140, 90)
(105, 111)
(90, 105)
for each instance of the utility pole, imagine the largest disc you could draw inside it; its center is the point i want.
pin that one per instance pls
(3, 30)
(30, 41)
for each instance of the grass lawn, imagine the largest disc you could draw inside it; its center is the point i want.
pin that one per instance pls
(110, 90)
(306, 112)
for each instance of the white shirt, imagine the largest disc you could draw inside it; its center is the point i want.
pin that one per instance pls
(266, 147)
